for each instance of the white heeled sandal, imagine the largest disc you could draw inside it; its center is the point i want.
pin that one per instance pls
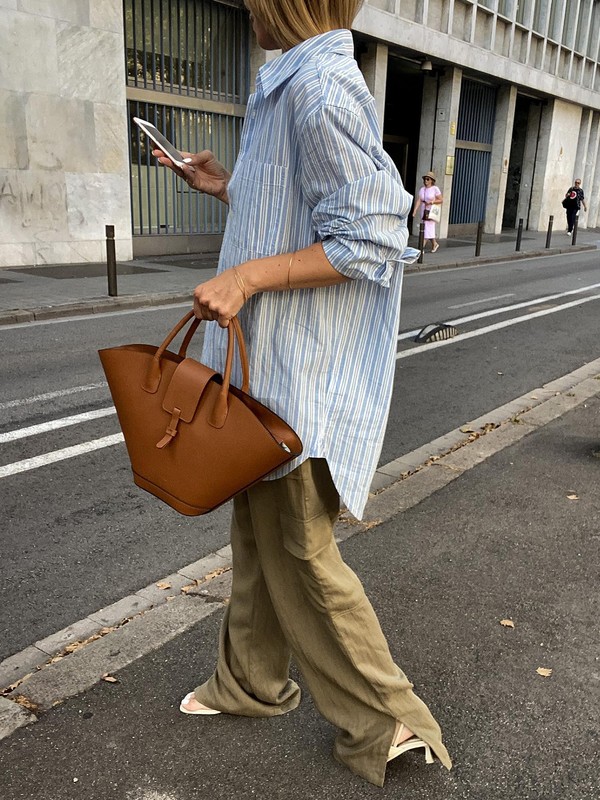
(204, 711)
(409, 744)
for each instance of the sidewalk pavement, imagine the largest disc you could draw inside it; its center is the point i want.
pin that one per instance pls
(49, 291)
(483, 569)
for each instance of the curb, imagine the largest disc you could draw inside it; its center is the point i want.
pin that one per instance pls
(140, 623)
(95, 305)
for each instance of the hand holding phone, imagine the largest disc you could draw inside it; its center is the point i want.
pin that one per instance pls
(201, 172)
(162, 143)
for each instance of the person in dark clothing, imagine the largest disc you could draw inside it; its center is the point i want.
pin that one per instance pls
(574, 199)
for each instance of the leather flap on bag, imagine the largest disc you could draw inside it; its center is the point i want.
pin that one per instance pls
(183, 394)
(186, 387)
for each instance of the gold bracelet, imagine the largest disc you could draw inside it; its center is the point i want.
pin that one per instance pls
(241, 285)
(289, 285)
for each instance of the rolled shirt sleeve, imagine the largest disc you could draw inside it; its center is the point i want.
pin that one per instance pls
(359, 204)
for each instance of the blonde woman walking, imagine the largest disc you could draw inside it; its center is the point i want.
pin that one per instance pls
(311, 263)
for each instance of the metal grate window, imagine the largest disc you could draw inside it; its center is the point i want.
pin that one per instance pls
(187, 47)
(469, 188)
(475, 133)
(162, 202)
(187, 65)
(476, 112)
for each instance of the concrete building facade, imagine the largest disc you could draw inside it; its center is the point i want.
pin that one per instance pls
(501, 98)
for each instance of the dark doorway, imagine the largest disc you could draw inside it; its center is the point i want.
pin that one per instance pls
(515, 163)
(403, 101)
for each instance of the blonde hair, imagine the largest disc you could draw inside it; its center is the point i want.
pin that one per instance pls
(290, 22)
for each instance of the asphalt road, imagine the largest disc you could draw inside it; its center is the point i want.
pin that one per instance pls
(77, 535)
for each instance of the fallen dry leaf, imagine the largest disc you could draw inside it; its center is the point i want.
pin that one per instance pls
(215, 573)
(572, 497)
(490, 426)
(163, 585)
(544, 672)
(109, 678)
(508, 623)
(25, 702)
(186, 589)
(466, 429)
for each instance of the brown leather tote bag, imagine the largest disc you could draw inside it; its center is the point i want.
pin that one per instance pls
(193, 439)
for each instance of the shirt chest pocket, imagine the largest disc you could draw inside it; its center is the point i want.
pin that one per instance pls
(258, 204)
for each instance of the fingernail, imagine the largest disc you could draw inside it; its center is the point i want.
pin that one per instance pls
(187, 160)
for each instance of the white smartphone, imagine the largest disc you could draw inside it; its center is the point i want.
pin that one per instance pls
(162, 143)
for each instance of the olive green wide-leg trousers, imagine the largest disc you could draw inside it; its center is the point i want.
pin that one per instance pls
(293, 595)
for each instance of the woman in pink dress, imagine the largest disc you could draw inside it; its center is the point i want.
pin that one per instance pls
(429, 195)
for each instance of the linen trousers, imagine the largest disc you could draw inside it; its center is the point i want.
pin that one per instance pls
(293, 595)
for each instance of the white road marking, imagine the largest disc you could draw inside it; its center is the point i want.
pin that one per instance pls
(59, 455)
(505, 309)
(496, 327)
(40, 398)
(44, 427)
(484, 300)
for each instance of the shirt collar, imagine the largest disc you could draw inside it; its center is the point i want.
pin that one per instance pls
(276, 72)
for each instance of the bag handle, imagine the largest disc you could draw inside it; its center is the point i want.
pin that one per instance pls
(241, 348)
(188, 337)
(234, 331)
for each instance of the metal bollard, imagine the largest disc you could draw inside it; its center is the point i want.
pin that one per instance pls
(111, 260)
(574, 235)
(421, 242)
(549, 234)
(479, 237)
(519, 235)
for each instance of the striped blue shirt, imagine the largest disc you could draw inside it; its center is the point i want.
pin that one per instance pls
(311, 168)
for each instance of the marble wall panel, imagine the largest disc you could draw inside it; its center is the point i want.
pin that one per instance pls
(33, 206)
(13, 132)
(64, 169)
(107, 15)
(16, 254)
(90, 64)
(95, 200)
(68, 252)
(60, 133)
(76, 11)
(29, 60)
(110, 127)
(123, 249)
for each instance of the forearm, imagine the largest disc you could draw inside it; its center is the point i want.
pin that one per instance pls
(305, 269)
(221, 297)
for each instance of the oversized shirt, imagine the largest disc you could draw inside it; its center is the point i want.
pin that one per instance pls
(311, 168)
